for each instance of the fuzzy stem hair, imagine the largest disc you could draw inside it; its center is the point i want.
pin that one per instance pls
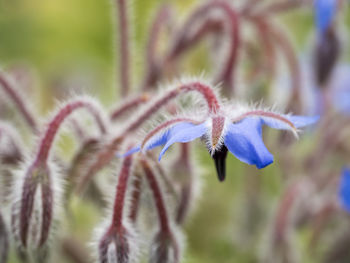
(129, 105)
(119, 200)
(163, 216)
(19, 101)
(124, 47)
(46, 142)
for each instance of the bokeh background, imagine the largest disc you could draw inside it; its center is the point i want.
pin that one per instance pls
(70, 46)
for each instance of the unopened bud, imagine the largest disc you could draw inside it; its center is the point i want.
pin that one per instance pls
(165, 248)
(33, 211)
(326, 55)
(115, 246)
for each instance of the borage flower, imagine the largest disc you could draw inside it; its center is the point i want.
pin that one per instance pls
(238, 130)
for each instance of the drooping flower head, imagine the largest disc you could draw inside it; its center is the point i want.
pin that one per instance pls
(235, 129)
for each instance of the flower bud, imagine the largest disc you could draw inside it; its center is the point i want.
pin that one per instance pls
(117, 243)
(116, 246)
(165, 248)
(326, 55)
(34, 209)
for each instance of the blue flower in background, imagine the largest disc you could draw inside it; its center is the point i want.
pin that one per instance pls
(324, 13)
(241, 135)
(344, 189)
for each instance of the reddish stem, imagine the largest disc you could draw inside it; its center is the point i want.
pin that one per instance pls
(152, 62)
(119, 200)
(135, 198)
(161, 17)
(54, 125)
(18, 101)
(226, 74)
(158, 197)
(204, 90)
(124, 47)
(129, 105)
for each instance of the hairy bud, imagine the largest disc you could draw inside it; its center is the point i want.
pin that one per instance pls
(35, 206)
(115, 246)
(165, 248)
(326, 55)
(118, 243)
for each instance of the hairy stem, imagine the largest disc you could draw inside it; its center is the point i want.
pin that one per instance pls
(226, 74)
(119, 200)
(158, 197)
(46, 142)
(18, 101)
(129, 105)
(124, 47)
(153, 63)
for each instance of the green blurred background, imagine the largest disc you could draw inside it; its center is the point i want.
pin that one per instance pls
(72, 43)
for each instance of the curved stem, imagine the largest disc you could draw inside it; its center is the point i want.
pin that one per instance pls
(287, 49)
(207, 93)
(128, 105)
(226, 74)
(124, 47)
(152, 62)
(46, 142)
(18, 101)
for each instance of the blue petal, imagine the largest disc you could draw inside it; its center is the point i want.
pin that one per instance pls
(244, 140)
(298, 121)
(158, 140)
(324, 13)
(183, 132)
(302, 121)
(344, 189)
(131, 151)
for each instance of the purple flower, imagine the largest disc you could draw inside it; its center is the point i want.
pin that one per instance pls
(344, 189)
(240, 134)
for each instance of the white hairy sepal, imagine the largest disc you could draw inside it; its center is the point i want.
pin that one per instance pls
(33, 252)
(133, 238)
(207, 137)
(167, 247)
